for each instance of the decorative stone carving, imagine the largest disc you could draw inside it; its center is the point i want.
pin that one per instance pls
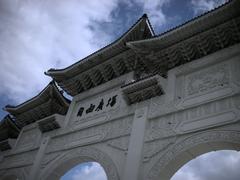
(49, 158)
(82, 154)
(205, 116)
(20, 173)
(109, 130)
(209, 115)
(207, 80)
(154, 147)
(120, 143)
(18, 160)
(28, 139)
(161, 128)
(190, 142)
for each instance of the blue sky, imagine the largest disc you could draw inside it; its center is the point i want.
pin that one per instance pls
(36, 35)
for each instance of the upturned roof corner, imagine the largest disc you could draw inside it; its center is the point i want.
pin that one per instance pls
(49, 101)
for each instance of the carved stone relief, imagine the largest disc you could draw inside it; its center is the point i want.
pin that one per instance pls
(190, 142)
(208, 115)
(161, 128)
(109, 130)
(208, 79)
(20, 173)
(120, 144)
(29, 139)
(205, 116)
(18, 160)
(49, 158)
(206, 84)
(152, 148)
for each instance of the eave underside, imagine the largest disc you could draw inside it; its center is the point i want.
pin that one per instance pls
(49, 101)
(117, 66)
(157, 61)
(8, 129)
(103, 65)
(192, 48)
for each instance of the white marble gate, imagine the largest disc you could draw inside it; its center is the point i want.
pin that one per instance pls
(136, 129)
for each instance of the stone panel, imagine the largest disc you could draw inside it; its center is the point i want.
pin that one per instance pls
(18, 160)
(106, 131)
(29, 138)
(205, 116)
(207, 83)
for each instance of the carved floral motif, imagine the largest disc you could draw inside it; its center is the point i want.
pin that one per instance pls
(208, 79)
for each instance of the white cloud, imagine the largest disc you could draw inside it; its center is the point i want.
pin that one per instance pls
(154, 9)
(38, 35)
(200, 6)
(94, 171)
(219, 165)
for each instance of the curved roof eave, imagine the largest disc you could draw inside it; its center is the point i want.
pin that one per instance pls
(27, 104)
(52, 72)
(187, 27)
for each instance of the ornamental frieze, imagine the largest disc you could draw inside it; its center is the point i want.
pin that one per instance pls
(207, 80)
(205, 116)
(106, 131)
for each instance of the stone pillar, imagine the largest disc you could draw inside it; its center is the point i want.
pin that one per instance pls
(134, 155)
(37, 162)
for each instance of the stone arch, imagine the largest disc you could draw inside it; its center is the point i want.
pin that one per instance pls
(189, 148)
(67, 160)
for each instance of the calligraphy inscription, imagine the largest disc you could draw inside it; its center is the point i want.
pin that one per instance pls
(97, 106)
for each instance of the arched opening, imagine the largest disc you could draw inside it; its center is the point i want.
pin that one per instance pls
(85, 171)
(191, 147)
(88, 157)
(221, 165)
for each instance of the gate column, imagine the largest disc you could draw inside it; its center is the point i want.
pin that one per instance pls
(36, 166)
(134, 155)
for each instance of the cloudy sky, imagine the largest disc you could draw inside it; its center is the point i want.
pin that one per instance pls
(36, 35)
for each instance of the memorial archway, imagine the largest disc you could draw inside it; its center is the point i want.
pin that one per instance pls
(56, 169)
(191, 147)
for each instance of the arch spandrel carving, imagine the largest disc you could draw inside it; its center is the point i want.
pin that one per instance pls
(69, 159)
(12, 174)
(191, 147)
